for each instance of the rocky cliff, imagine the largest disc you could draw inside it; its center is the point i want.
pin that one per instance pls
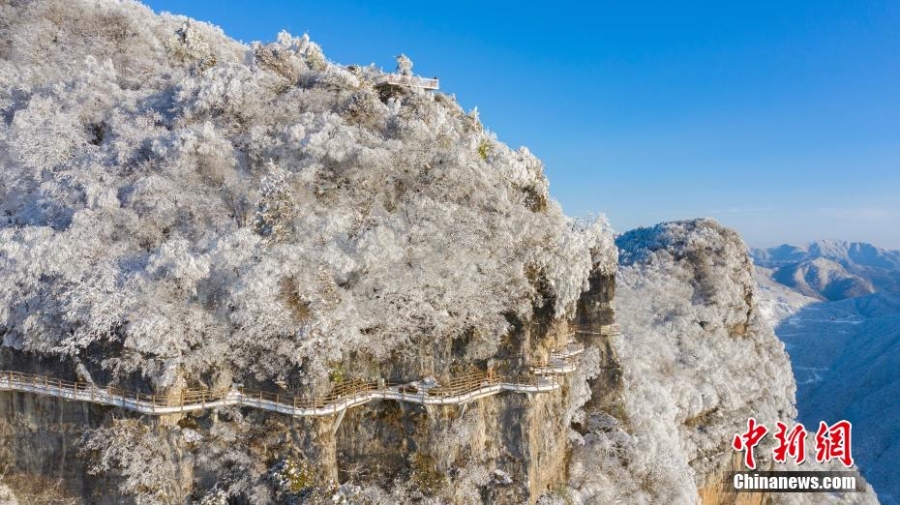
(697, 360)
(184, 212)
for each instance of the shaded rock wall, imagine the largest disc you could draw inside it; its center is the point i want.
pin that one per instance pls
(41, 437)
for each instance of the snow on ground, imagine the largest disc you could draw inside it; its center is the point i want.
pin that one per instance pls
(776, 301)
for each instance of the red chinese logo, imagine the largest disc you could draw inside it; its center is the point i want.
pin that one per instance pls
(832, 442)
(748, 440)
(791, 444)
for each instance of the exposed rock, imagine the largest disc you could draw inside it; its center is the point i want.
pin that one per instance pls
(184, 211)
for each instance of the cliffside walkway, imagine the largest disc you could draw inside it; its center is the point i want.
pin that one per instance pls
(458, 390)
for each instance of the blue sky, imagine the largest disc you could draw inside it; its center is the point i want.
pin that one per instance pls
(778, 118)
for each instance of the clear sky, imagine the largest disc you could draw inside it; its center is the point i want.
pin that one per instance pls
(779, 118)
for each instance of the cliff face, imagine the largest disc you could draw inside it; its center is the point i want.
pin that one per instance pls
(697, 361)
(182, 211)
(502, 449)
(690, 304)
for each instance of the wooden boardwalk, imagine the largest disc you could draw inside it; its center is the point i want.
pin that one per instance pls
(456, 391)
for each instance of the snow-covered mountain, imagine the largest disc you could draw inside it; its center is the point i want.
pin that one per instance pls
(833, 269)
(777, 301)
(844, 252)
(822, 278)
(698, 359)
(184, 212)
(846, 357)
(845, 353)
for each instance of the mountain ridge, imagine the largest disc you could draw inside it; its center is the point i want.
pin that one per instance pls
(832, 269)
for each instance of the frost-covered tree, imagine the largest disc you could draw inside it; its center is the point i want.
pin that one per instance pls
(190, 204)
(404, 65)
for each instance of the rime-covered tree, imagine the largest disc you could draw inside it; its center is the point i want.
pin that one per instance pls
(191, 204)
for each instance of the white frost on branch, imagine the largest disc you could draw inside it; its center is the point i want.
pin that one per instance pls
(192, 203)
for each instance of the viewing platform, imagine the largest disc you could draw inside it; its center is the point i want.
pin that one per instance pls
(411, 81)
(404, 78)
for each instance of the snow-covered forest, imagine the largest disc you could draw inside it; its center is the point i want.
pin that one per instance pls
(180, 209)
(189, 203)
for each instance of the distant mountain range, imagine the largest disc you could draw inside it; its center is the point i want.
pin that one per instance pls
(832, 269)
(836, 306)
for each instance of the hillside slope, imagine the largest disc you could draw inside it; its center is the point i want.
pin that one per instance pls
(843, 345)
(777, 301)
(847, 354)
